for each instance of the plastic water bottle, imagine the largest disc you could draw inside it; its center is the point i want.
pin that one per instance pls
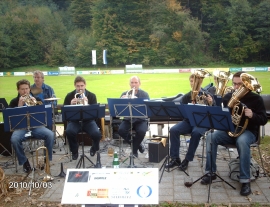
(115, 160)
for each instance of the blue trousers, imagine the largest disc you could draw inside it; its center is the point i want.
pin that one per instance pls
(140, 127)
(90, 127)
(242, 143)
(18, 137)
(182, 128)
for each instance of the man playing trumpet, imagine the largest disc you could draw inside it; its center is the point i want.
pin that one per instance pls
(18, 136)
(89, 126)
(254, 112)
(139, 125)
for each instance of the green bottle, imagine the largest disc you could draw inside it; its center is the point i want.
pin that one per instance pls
(115, 160)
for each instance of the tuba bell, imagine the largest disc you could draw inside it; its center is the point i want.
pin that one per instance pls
(44, 164)
(198, 77)
(250, 83)
(221, 79)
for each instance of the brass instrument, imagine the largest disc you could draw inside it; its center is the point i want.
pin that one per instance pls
(249, 84)
(131, 93)
(42, 165)
(29, 101)
(80, 98)
(199, 75)
(221, 79)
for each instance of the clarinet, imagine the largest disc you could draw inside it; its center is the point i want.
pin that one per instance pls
(98, 163)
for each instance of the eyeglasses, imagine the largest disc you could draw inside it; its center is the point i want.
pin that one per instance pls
(237, 84)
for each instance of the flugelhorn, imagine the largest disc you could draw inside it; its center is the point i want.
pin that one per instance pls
(249, 84)
(30, 100)
(44, 164)
(80, 98)
(131, 93)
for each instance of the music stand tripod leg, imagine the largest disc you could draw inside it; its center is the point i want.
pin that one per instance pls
(81, 160)
(131, 162)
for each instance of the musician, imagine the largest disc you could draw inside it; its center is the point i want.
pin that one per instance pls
(139, 125)
(184, 127)
(256, 114)
(42, 90)
(18, 136)
(88, 126)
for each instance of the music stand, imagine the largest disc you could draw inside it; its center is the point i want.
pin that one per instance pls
(212, 117)
(26, 118)
(82, 113)
(3, 104)
(168, 110)
(128, 108)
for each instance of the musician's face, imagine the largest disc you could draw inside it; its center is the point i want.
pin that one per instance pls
(23, 89)
(134, 82)
(38, 79)
(80, 86)
(237, 83)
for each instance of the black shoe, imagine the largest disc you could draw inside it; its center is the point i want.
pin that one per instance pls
(183, 166)
(206, 179)
(27, 167)
(75, 156)
(135, 155)
(92, 151)
(174, 162)
(141, 148)
(245, 190)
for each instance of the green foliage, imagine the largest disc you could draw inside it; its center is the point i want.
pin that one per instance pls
(148, 32)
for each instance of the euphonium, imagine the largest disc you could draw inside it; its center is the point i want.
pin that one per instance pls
(221, 79)
(249, 84)
(198, 77)
(131, 93)
(80, 98)
(42, 165)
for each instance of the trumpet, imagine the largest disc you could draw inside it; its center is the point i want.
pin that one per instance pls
(80, 98)
(131, 93)
(42, 165)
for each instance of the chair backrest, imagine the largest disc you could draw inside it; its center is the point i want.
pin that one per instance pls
(266, 100)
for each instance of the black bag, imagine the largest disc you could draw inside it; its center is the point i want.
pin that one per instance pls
(235, 171)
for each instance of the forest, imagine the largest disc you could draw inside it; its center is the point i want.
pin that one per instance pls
(147, 32)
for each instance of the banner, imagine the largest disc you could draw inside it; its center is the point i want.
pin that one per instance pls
(94, 57)
(105, 57)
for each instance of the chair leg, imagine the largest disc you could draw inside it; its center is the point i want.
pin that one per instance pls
(203, 139)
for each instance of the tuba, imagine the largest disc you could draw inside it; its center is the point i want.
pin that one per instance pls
(249, 84)
(42, 165)
(131, 93)
(199, 75)
(80, 98)
(221, 79)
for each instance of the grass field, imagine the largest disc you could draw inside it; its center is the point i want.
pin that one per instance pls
(111, 86)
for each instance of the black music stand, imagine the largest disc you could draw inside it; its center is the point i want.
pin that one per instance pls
(128, 108)
(3, 104)
(212, 117)
(168, 110)
(82, 113)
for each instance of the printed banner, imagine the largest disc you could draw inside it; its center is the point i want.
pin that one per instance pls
(105, 57)
(94, 57)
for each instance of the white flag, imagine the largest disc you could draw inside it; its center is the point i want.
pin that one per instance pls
(105, 57)
(94, 57)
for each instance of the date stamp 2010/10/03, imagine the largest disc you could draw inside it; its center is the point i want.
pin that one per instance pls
(30, 185)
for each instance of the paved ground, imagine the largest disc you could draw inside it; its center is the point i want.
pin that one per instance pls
(171, 187)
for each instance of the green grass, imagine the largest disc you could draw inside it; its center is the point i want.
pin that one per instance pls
(111, 86)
